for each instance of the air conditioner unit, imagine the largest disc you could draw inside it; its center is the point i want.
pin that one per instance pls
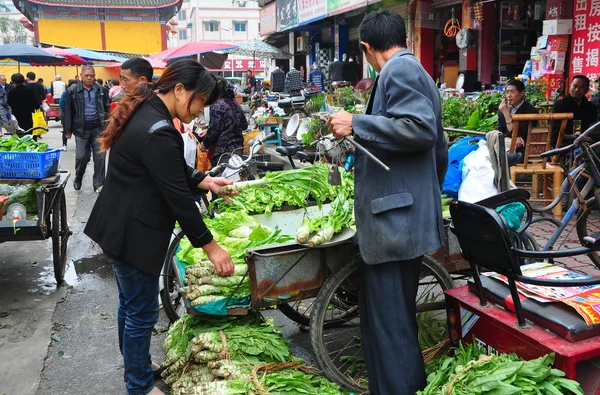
(300, 44)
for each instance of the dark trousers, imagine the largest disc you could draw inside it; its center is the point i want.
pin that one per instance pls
(87, 143)
(389, 327)
(138, 313)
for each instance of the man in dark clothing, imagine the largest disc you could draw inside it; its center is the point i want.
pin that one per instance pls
(134, 71)
(22, 101)
(7, 87)
(402, 126)
(336, 71)
(250, 82)
(514, 103)
(36, 87)
(576, 102)
(277, 80)
(317, 78)
(86, 109)
(351, 72)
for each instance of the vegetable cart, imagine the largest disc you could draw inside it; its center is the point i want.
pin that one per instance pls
(51, 219)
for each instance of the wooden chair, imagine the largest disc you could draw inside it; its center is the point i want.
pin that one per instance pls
(333, 99)
(538, 141)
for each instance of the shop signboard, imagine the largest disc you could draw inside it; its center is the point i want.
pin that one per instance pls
(585, 47)
(244, 64)
(268, 20)
(311, 10)
(287, 14)
(336, 7)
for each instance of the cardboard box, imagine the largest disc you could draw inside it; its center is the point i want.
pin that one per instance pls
(557, 26)
(552, 62)
(558, 43)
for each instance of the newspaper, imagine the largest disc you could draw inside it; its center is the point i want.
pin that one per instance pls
(585, 299)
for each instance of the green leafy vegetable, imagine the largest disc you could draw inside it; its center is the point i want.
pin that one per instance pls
(23, 144)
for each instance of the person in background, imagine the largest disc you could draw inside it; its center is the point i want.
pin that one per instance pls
(7, 87)
(100, 82)
(114, 88)
(22, 101)
(134, 71)
(77, 77)
(148, 188)
(351, 71)
(514, 103)
(86, 109)
(293, 82)
(57, 88)
(250, 82)
(5, 111)
(226, 127)
(403, 127)
(583, 110)
(277, 80)
(317, 78)
(62, 103)
(41, 82)
(36, 87)
(115, 95)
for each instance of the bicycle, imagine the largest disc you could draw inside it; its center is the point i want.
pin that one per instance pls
(586, 211)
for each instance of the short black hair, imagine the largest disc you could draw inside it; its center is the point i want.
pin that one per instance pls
(139, 67)
(71, 82)
(383, 30)
(517, 84)
(582, 77)
(31, 75)
(114, 82)
(100, 81)
(41, 80)
(17, 79)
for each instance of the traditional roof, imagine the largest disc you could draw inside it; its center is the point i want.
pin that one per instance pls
(103, 3)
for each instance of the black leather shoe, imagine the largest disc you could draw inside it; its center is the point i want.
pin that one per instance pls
(76, 185)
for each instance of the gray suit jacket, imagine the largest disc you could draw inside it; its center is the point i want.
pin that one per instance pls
(398, 213)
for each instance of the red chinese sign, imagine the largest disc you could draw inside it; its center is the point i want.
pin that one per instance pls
(585, 49)
(244, 64)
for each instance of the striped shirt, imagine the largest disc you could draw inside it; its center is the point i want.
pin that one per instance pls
(293, 81)
(316, 77)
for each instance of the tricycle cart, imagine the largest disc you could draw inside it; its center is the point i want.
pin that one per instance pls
(51, 219)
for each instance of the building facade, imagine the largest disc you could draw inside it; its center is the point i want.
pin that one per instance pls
(134, 26)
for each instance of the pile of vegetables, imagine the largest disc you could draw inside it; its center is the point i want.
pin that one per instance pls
(236, 232)
(23, 144)
(471, 372)
(341, 216)
(291, 187)
(24, 194)
(316, 103)
(221, 356)
(349, 98)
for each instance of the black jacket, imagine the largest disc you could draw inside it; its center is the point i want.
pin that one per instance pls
(586, 112)
(74, 115)
(336, 71)
(526, 108)
(39, 90)
(148, 187)
(350, 71)
(23, 103)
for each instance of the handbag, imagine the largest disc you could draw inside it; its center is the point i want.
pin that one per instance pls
(202, 161)
(39, 121)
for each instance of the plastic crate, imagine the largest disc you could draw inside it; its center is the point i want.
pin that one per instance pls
(35, 165)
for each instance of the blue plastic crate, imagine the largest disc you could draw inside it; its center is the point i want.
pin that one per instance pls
(29, 164)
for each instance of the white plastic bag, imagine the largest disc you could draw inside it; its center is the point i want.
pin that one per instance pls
(189, 149)
(478, 176)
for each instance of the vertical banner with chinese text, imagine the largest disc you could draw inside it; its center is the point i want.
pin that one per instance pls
(586, 38)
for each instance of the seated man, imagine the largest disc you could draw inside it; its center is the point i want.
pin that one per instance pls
(577, 103)
(514, 103)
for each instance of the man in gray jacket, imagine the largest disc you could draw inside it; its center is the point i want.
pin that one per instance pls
(86, 110)
(398, 213)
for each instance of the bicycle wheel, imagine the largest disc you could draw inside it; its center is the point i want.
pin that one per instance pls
(343, 308)
(338, 351)
(172, 300)
(588, 222)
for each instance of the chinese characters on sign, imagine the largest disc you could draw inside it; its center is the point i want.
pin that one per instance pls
(311, 10)
(586, 37)
(243, 65)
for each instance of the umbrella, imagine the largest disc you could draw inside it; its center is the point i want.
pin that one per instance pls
(256, 48)
(70, 59)
(27, 53)
(156, 64)
(193, 48)
(89, 55)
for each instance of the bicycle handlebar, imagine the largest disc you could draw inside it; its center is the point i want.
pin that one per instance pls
(583, 137)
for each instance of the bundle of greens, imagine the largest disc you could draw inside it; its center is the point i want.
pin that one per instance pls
(236, 232)
(217, 356)
(341, 216)
(290, 187)
(23, 144)
(471, 372)
(24, 194)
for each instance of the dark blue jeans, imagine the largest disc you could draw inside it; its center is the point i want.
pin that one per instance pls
(138, 313)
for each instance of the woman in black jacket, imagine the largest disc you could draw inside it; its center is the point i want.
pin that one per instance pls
(148, 187)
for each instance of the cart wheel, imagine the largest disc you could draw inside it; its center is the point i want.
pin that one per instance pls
(172, 301)
(60, 237)
(339, 352)
(342, 309)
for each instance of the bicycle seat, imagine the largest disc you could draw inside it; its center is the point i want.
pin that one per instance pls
(513, 159)
(309, 157)
(290, 150)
